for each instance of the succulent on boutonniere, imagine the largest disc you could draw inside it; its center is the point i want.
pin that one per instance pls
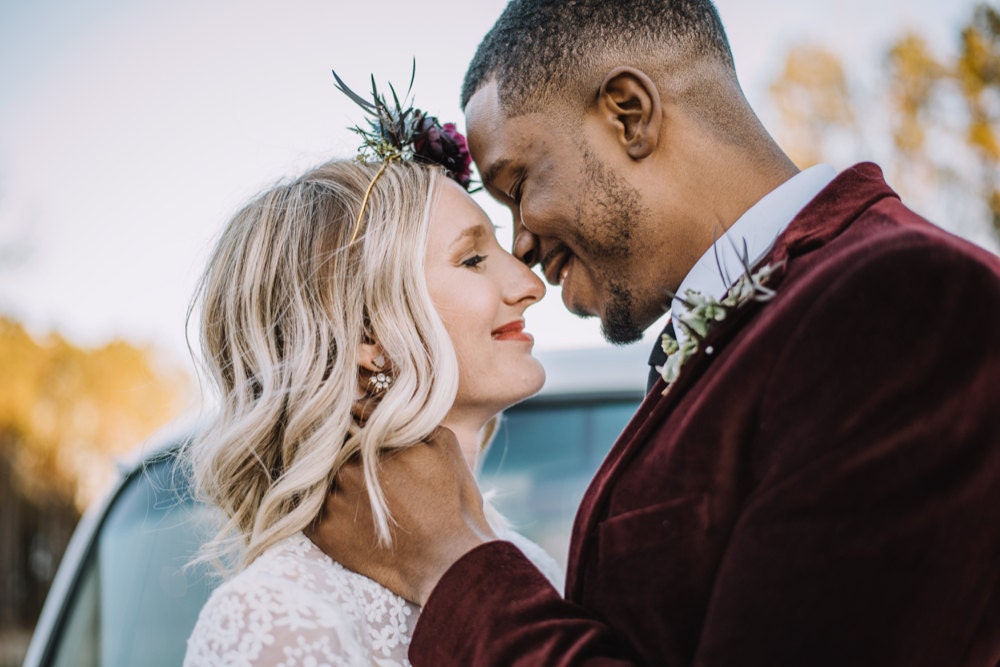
(704, 312)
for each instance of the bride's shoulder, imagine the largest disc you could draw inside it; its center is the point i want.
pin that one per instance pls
(288, 586)
(291, 568)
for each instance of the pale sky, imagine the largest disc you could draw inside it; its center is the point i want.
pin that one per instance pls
(131, 130)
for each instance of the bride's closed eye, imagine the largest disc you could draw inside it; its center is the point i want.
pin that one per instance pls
(474, 261)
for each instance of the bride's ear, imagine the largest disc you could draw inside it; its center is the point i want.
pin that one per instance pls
(374, 377)
(372, 358)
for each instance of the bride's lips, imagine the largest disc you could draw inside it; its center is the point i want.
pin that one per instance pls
(512, 331)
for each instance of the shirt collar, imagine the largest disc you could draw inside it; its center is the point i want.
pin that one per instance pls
(754, 232)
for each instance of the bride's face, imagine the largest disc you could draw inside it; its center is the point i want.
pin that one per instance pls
(481, 292)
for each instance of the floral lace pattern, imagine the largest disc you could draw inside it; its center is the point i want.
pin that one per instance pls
(296, 607)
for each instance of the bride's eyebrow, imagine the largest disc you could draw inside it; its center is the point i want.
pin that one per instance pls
(475, 232)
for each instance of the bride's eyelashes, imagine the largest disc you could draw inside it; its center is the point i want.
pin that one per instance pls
(474, 261)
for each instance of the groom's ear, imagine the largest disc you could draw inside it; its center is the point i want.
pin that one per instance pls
(630, 101)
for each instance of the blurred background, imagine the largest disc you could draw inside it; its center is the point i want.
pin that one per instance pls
(131, 129)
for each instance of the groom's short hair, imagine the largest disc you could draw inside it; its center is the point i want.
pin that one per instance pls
(539, 49)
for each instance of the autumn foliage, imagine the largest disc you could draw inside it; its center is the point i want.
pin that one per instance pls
(931, 120)
(66, 412)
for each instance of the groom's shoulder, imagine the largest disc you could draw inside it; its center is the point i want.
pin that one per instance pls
(905, 230)
(889, 239)
(889, 273)
(859, 217)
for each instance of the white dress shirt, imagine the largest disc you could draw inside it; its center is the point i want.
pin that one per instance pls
(755, 232)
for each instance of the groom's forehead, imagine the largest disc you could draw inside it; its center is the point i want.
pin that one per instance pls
(498, 140)
(486, 123)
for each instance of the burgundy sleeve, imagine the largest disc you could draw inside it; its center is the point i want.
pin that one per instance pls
(494, 608)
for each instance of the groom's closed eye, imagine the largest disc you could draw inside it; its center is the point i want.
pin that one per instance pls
(492, 173)
(526, 247)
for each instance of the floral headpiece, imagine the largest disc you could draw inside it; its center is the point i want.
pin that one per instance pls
(401, 132)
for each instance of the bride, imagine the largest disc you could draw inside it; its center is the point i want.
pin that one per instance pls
(346, 313)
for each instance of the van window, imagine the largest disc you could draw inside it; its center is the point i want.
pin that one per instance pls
(542, 459)
(135, 604)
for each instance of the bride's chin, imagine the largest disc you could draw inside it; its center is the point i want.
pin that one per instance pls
(530, 384)
(538, 381)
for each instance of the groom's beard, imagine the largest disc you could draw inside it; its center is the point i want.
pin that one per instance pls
(614, 210)
(618, 325)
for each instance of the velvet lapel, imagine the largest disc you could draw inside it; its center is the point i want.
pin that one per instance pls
(822, 220)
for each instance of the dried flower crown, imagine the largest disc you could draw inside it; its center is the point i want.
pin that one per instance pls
(402, 132)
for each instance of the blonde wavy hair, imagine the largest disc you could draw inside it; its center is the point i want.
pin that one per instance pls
(286, 301)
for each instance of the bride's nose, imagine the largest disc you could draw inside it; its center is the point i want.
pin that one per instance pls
(521, 284)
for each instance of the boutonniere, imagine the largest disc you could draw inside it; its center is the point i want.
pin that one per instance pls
(704, 313)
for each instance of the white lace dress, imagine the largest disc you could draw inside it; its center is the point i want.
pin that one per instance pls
(296, 607)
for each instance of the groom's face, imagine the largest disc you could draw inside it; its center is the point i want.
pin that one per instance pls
(574, 213)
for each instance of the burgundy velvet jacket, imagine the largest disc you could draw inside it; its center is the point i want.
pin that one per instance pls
(823, 488)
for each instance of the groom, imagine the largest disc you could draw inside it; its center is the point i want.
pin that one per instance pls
(819, 483)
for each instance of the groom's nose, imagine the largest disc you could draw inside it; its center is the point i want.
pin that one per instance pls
(526, 247)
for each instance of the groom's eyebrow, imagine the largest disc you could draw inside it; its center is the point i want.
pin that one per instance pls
(491, 173)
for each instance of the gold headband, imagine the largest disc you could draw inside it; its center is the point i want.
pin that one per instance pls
(403, 132)
(364, 202)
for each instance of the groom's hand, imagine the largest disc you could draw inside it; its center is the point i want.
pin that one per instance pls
(437, 510)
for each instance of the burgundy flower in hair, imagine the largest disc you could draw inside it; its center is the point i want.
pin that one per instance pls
(444, 145)
(400, 131)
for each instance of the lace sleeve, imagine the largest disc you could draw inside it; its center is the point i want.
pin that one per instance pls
(254, 622)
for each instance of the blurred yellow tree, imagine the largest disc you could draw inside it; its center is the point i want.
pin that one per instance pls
(66, 411)
(940, 115)
(914, 74)
(814, 104)
(978, 75)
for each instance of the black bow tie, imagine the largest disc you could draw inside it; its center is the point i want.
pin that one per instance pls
(658, 357)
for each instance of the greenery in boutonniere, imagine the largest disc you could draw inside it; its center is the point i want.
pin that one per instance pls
(704, 312)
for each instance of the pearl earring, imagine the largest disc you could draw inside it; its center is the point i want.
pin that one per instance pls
(381, 379)
(379, 382)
